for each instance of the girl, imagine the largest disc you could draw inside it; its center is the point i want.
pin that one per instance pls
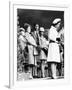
(43, 45)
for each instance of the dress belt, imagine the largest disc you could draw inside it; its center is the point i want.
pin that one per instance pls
(51, 41)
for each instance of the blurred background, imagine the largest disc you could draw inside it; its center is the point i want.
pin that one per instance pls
(42, 17)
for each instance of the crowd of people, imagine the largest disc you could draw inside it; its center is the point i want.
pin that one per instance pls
(40, 56)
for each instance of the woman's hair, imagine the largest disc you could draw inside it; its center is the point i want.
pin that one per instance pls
(34, 26)
(26, 25)
(56, 24)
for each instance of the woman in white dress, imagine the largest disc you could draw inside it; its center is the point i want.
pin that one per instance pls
(53, 51)
(30, 44)
(43, 45)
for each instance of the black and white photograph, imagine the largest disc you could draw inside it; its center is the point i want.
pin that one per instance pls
(36, 44)
(40, 44)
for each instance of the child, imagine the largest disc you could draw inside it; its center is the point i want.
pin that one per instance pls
(43, 45)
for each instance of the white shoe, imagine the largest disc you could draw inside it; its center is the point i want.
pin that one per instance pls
(30, 76)
(55, 77)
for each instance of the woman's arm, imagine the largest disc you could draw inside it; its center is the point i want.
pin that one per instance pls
(31, 41)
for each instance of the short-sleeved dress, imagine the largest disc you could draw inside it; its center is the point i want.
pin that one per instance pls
(43, 44)
(53, 51)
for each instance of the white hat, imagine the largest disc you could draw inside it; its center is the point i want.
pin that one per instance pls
(56, 20)
(22, 29)
(42, 29)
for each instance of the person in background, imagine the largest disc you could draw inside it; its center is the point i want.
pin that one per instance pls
(61, 33)
(21, 38)
(21, 46)
(53, 51)
(43, 43)
(18, 26)
(35, 35)
(30, 44)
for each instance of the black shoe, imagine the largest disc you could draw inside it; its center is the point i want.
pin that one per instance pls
(35, 76)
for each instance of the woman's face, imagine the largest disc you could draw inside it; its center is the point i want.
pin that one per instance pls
(58, 26)
(37, 26)
(29, 29)
(22, 33)
(41, 33)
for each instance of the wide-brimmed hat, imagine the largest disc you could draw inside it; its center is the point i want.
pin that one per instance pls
(37, 25)
(57, 20)
(41, 29)
(22, 29)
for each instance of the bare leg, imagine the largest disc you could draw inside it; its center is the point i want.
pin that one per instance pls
(30, 72)
(35, 71)
(43, 69)
(35, 66)
(53, 68)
